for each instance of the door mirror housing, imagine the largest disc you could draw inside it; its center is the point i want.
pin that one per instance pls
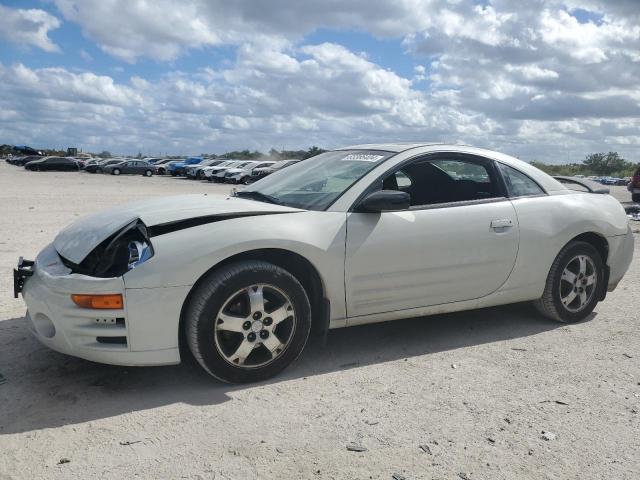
(385, 201)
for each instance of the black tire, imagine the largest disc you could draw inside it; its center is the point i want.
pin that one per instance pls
(550, 304)
(161, 171)
(148, 173)
(210, 297)
(245, 180)
(635, 197)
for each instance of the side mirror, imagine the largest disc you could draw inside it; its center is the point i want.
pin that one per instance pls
(385, 201)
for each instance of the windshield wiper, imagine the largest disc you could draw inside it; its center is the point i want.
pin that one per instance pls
(259, 196)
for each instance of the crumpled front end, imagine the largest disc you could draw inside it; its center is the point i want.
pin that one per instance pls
(101, 335)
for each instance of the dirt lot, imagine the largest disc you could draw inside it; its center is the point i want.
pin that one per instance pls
(476, 389)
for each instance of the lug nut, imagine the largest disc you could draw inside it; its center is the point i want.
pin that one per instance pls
(257, 315)
(264, 334)
(267, 321)
(251, 337)
(246, 325)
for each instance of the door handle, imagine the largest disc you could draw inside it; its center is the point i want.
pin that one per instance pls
(501, 223)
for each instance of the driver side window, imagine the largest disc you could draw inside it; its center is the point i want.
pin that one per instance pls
(444, 180)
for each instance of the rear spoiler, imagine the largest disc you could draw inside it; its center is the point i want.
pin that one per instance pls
(592, 187)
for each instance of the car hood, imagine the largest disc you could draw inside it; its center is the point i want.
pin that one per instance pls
(77, 240)
(235, 170)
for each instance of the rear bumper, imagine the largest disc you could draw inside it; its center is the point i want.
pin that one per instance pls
(620, 255)
(103, 336)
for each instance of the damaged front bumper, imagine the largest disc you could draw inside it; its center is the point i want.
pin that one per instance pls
(104, 336)
(20, 274)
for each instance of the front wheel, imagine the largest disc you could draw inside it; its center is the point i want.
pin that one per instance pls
(115, 171)
(247, 321)
(148, 173)
(574, 283)
(246, 180)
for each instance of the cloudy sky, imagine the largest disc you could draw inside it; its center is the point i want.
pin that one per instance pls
(543, 79)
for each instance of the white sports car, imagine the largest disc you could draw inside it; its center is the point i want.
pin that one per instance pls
(358, 235)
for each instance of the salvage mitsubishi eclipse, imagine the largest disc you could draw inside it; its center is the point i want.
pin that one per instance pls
(362, 234)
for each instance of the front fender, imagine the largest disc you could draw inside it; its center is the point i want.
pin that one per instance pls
(183, 256)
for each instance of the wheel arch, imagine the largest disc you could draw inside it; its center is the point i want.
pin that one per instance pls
(299, 266)
(598, 241)
(601, 244)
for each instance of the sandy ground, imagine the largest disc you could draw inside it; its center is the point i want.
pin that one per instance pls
(476, 389)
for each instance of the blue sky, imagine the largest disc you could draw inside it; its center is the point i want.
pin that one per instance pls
(534, 80)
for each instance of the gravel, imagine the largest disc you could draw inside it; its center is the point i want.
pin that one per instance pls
(176, 422)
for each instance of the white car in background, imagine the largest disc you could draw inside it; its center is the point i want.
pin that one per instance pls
(363, 234)
(209, 171)
(243, 174)
(218, 175)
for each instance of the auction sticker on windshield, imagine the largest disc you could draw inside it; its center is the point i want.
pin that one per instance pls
(362, 157)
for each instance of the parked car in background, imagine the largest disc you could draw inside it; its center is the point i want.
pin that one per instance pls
(177, 168)
(61, 164)
(209, 171)
(162, 165)
(98, 165)
(634, 186)
(22, 161)
(130, 167)
(151, 160)
(243, 174)
(218, 175)
(197, 171)
(261, 172)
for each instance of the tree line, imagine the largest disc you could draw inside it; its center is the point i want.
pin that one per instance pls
(600, 164)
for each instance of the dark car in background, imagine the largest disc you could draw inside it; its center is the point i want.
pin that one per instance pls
(261, 172)
(22, 161)
(97, 166)
(130, 167)
(60, 164)
(634, 186)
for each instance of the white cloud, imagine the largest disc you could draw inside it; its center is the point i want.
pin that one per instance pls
(520, 77)
(28, 27)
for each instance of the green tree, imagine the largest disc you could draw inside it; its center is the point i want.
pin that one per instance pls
(313, 151)
(605, 164)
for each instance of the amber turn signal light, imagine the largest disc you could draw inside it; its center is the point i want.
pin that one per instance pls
(109, 302)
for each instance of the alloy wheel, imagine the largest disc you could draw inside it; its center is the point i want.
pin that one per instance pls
(578, 283)
(254, 326)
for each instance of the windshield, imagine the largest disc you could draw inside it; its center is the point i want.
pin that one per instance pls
(316, 183)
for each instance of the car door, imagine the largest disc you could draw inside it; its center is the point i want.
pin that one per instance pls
(51, 164)
(458, 240)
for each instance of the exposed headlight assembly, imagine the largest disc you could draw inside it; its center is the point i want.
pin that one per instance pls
(115, 256)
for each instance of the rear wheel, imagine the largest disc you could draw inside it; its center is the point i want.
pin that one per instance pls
(573, 284)
(248, 321)
(115, 171)
(148, 173)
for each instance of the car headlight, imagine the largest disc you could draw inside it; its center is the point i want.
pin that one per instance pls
(115, 256)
